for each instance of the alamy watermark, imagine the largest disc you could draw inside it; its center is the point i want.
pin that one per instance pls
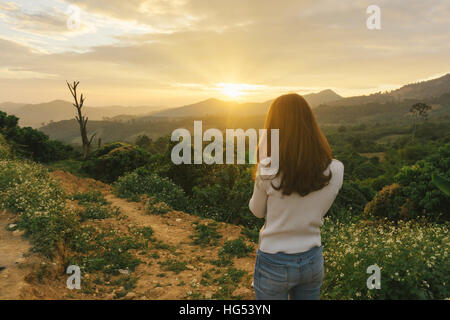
(373, 22)
(374, 280)
(74, 280)
(213, 152)
(74, 19)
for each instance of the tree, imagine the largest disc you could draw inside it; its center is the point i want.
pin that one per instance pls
(82, 120)
(143, 141)
(419, 110)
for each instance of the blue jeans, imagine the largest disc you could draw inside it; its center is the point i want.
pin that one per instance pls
(281, 276)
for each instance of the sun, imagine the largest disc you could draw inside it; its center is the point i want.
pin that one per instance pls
(232, 90)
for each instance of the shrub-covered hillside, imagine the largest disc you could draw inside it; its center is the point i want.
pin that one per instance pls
(160, 230)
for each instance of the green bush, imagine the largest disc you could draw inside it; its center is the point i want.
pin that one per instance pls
(235, 248)
(379, 182)
(145, 232)
(412, 256)
(251, 234)
(351, 200)
(367, 169)
(414, 193)
(226, 198)
(388, 203)
(158, 207)
(442, 184)
(206, 234)
(417, 185)
(114, 160)
(95, 211)
(5, 149)
(31, 143)
(93, 196)
(173, 265)
(413, 153)
(161, 189)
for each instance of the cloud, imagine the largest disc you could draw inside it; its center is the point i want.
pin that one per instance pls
(156, 50)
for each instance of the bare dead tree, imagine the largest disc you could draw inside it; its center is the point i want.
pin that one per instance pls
(82, 120)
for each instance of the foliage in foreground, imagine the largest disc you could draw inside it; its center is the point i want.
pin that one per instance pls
(412, 255)
(5, 149)
(414, 193)
(27, 189)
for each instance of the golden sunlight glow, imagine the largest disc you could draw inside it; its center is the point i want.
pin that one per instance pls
(232, 90)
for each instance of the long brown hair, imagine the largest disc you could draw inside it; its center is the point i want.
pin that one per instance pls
(304, 152)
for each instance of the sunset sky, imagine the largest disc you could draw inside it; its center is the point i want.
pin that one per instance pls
(169, 53)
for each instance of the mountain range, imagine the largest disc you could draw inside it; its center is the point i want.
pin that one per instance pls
(422, 90)
(218, 107)
(37, 115)
(125, 123)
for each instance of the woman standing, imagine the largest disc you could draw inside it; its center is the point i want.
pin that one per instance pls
(293, 201)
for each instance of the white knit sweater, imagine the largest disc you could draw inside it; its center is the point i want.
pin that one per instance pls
(293, 222)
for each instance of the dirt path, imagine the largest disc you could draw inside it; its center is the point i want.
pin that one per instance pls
(174, 229)
(173, 232)
(12, 250)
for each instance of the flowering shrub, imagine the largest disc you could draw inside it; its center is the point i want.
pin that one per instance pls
(412, 256)
(27, 189)
(5, 150)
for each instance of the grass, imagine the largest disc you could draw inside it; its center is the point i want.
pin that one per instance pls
(70, 165)
(379, 155)
(228, 282)
(173, 265)
(154, 255)
(235, 248)
(391, 138)
(158, 208)
(206, 234)
(95, 211)
(127, 283)
(158, 244)
(106, 251)
(251, 234)
(207, 278)
(222, 261)
(145, 232)
(89, 197)
(232, 276)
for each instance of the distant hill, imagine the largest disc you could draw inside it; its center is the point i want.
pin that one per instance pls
(416, 91)
(35, 115)
(214, 107)
(424, 89)
(329, 108)
(38, 115)
(155, 127)
(322, 97)
(219, 107)
(10, 107)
